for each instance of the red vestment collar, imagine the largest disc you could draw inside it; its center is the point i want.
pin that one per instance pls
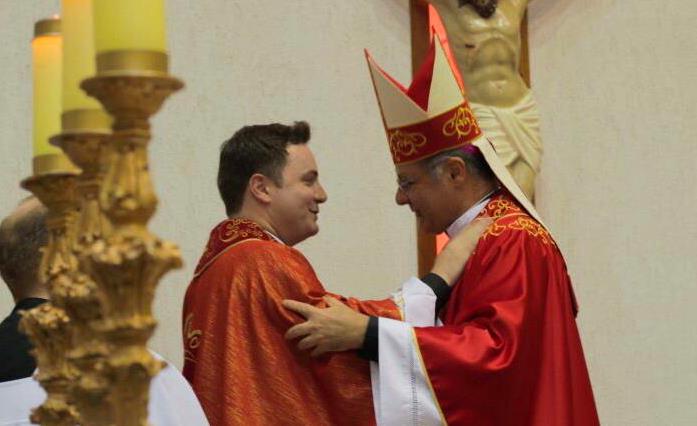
(226, 234)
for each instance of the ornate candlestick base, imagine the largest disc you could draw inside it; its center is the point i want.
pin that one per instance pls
(47, 326)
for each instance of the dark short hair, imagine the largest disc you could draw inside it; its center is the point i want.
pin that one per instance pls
(255, 149)
(20, 248)
(473, 158)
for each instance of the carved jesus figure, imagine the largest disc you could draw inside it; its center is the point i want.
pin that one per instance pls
(485, 38)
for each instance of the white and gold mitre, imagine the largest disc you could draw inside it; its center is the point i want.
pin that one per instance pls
(432, 116)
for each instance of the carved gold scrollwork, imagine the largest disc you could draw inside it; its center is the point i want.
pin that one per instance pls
(127, 195)
(57, 193)
(48, 328)
(87, 151)
(75, 291)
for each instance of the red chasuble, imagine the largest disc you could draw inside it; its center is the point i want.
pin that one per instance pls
(509, 352)
(242, 369)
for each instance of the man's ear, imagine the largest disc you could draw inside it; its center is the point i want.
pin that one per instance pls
(455, 169)
(258, 187)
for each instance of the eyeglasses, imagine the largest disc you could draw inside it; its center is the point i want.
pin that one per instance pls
(405, 184)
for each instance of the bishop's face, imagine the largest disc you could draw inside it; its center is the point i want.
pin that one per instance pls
(428, 194)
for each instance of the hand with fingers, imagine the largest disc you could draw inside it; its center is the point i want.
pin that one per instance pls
(450, 262)
(332, 329)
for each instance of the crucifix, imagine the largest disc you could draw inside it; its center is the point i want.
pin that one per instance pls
(488, 43)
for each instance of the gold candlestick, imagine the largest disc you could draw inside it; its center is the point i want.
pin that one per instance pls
(53, 183)
(83, 142)
(85, 126)
(48, 325)
(57, 192)
(128, 263)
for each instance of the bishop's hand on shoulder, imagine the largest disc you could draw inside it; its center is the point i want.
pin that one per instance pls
(451, 260)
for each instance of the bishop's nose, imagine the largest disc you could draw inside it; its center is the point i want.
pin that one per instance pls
(400, 197)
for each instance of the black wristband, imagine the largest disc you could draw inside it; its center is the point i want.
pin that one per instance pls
(439, 286)
(369, 350)
(370, 342)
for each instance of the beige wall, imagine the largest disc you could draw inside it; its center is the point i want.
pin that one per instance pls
(616, 84)
(250, 62)
(614, 80)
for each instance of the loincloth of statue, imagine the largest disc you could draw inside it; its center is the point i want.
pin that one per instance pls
(515, 133)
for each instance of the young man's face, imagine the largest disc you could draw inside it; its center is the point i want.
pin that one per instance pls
(428, 196)
(295, 204)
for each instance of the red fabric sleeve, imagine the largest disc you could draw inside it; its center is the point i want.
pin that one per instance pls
(508, 353)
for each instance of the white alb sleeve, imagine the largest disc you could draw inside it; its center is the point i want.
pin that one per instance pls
(402, 393)
(416, 302)
(172, 401)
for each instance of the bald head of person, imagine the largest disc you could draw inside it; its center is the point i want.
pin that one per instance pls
(22, 234)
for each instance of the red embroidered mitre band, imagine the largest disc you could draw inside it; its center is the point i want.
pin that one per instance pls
(452, 129)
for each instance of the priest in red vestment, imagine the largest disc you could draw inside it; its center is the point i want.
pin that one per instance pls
(236, 358)
(504, 349)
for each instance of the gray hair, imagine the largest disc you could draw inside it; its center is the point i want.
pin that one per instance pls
(474, 161)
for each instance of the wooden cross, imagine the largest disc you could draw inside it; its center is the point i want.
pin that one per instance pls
(420, 40)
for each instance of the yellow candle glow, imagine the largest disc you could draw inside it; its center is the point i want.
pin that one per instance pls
(78, 53)
(129, 25)
(46, 55)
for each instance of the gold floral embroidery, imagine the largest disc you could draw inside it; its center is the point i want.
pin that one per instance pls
(495, 229)
(533, 228)
(508, 215)
(500, 207)
(234, 230)
(192, 338)
(227, 234)
(403, 144)
(230, 232)
(521, 223)
(462, 124)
